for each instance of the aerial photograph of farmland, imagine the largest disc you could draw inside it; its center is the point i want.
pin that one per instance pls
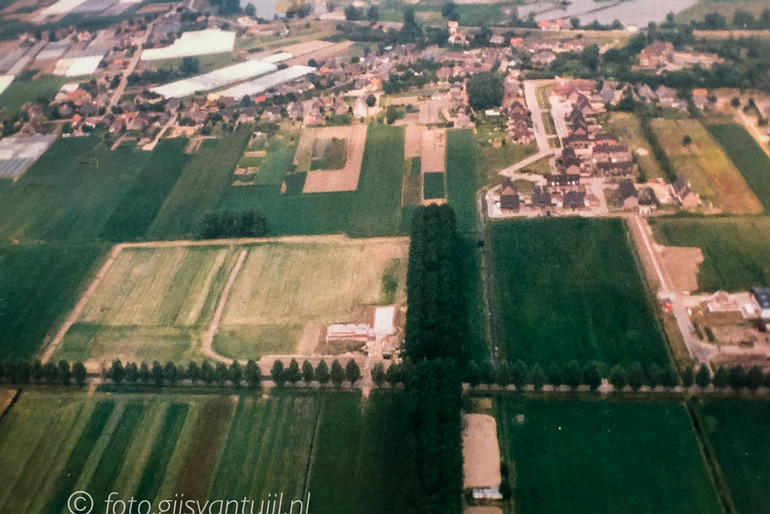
(384, 256)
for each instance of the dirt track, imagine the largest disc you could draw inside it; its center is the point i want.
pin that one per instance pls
(481, 452)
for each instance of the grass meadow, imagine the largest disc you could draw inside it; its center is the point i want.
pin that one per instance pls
(747, 156)
(433, 185)
(570, 289)
(737, 431)
(21, 91)
(603, 458)
(704, 164)
(156, 303)
(735, 249)
(351, 454)
(626, 126)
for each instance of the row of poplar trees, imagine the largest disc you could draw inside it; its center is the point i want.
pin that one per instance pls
(434, 344)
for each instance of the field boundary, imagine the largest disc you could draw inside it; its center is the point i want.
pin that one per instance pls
(208, 337)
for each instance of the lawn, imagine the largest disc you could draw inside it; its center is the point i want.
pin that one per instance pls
(705, 166)
(747, 156)
(200, 185)
(349, 453)
(603, 457)
(156, 303)
(372, 210)
(737, 431)
(38, 284)
(735, 249)
(433, 185)
(570, 289)
(626, 127)
(72, 191)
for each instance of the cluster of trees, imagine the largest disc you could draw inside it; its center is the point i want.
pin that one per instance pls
(353, 13)
(251, 223)
(485, 90)
(434, 402)
(189, 66)
(742, 19)
(169, 374)
(292, 374)
(23, 372)
(434, 324)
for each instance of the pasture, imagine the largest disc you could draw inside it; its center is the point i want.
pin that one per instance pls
(603, 458)
(433, 185)
(704, 164)
(347, 452)
(41, 89)
(737, 431)
(372, 210)
(734, 249)
(747, 156)
(157, 303)
(570, 289)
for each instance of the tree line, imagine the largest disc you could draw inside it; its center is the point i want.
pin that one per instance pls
(434, 339)
(435, 327)
(634, 376)
(250, 223)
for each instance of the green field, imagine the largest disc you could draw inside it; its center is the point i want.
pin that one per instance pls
(328, 154)
(350, 454)
(747, 156)
(143, 200)
(157, 303)
(433, 185)
(372, 210)
(735, 249)
(38, 284)
(737, 431)
(59, 198)
(199, 187)
(569, 289)
(603, 458)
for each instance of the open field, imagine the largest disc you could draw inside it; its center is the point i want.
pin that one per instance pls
(156, 303)
(335, 159)
(626, 127)
(735, 249)
(371, 210)
(38, 284)
(569, 289)
(603, 458)
(737, 431)
(208, 447)
(705, 166)
(749, 158)
(65, 195)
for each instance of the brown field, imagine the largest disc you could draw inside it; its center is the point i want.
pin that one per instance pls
(413, 141)
(318, 50)
(682, 264)
(481, 452)
(327, 181)
(433, 150)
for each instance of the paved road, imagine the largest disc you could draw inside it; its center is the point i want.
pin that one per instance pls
(530, 92)
(131, 67)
